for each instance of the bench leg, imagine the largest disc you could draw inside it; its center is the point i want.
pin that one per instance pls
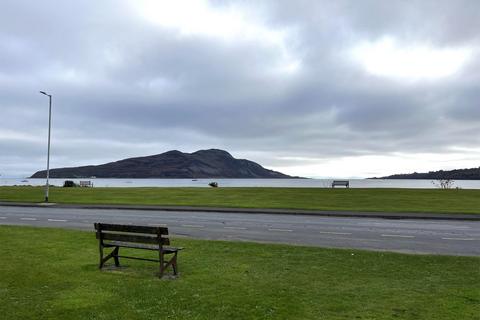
(174, 264)
(160, 258)
(100, 249)
(115, 256)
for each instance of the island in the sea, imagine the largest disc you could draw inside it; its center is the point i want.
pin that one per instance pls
(457, 174)
(213, 163)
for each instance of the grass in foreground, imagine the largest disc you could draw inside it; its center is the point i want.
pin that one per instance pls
(384, 200)
(52, 274)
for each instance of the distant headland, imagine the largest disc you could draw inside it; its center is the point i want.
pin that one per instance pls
(212, 163)
(457, 174)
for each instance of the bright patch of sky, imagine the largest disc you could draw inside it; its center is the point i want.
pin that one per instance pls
(377, 166)
(387, 57)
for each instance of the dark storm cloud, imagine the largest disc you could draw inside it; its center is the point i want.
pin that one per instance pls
(123, 86)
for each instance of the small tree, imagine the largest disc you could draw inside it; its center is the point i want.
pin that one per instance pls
(444, 183)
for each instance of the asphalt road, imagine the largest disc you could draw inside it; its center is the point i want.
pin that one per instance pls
(409, 236)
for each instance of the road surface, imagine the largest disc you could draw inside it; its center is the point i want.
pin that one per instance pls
(408, 236)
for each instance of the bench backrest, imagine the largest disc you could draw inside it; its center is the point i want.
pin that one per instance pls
(340, 182)
(132, 234)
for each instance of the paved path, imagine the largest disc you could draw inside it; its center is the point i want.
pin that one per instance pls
(412, 236)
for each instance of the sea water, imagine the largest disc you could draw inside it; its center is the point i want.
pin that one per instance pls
(272, 183)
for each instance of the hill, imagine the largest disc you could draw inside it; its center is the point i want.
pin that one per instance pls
(457, 174)
(211, 163)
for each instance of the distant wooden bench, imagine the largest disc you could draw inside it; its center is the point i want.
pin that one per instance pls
(344, 183)
(85, 184)
(137, 237)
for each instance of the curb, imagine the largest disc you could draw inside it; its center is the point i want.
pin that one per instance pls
(349, 214)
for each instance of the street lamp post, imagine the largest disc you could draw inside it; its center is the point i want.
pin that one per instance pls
(48, 152)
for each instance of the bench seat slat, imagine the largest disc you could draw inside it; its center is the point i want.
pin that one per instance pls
(131, 238)
(136, 258)
(128, 228)
(139, 246)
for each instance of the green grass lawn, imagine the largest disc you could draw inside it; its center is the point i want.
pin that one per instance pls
(52, 274)
(387, 200)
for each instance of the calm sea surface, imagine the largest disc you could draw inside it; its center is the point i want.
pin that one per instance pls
(276, 183)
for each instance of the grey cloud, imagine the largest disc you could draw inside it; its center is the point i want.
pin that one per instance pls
(123, 87)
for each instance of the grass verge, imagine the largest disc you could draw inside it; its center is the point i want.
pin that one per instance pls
(375, 200)
(52, 274)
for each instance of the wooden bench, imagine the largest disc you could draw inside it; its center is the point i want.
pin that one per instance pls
(118, 236)
(344, 183)
(85, 184)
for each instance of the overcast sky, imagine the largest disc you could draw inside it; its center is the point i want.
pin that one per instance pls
(310, 88)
